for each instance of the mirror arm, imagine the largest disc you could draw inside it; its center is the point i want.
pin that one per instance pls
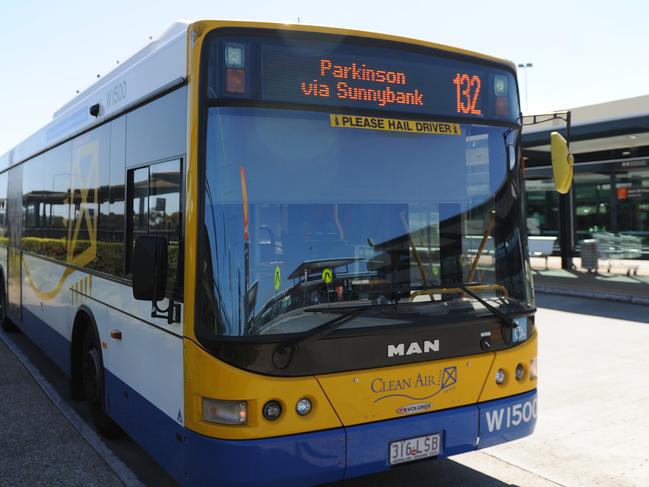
(172, 313)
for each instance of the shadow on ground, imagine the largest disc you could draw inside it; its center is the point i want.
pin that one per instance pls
(442, 473)
(594, 307)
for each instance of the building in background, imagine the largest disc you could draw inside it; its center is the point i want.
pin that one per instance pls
(610, 143)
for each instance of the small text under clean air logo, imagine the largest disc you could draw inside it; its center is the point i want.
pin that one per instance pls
(414, 408)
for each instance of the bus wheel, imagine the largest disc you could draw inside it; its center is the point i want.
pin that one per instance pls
(5, 322)
(92, 373)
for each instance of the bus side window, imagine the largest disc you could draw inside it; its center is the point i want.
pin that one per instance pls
(155, 208)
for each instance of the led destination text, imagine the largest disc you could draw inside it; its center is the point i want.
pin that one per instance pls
(345, 90)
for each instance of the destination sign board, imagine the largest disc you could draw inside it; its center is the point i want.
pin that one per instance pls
(369, 77)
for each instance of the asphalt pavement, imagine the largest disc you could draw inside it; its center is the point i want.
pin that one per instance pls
(38, 445)
(593, 422)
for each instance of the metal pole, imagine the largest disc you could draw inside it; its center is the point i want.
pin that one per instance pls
(527, 98)
(525, 67)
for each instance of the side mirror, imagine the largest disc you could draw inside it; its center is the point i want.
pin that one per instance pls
(562, 163)
(150, 268)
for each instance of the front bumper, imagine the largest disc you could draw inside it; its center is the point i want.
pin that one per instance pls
(327, 456)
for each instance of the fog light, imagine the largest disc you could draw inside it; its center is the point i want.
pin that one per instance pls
(500, 376)
(272, 410)
(520, 372)
(533, 368)
(303, 406)
(225, 412)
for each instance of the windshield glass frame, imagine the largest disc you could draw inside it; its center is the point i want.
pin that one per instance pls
(308, 272)
(512, 172)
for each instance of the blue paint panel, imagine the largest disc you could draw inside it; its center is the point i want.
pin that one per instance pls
(148, 426)
(55, 345)
(367, 444)
(198, 460)
(296, 460)
(507, 419)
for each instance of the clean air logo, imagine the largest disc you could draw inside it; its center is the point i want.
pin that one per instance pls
(414, 348)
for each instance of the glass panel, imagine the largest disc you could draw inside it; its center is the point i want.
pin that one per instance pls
(155, 204)
(89, 208)
(542, 207)
(46, 203)
(164, 211)
(632, 200)
(592, 203)
(140, 202)
(4, 240)
(299, 213)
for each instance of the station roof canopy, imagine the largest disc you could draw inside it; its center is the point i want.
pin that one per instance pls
(611, 130)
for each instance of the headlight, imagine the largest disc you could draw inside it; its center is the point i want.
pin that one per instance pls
(225, 412)
(534, 368)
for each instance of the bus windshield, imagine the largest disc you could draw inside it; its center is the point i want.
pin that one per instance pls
(306, 216)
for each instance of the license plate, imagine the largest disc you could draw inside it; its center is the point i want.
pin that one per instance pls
(415, 448)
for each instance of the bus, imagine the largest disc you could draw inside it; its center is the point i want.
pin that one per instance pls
(282, 254)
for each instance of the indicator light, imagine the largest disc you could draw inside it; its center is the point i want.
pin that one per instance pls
(303, 406)
(520, 372)
(534, 368)
(235, 80)
(272, 410)
(225, 412)
(502, 105)
(234, 56)
(500, 376)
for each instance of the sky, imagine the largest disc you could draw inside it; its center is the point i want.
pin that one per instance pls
(583, 52)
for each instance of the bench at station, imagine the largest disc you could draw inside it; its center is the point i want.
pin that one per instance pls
(541, 247)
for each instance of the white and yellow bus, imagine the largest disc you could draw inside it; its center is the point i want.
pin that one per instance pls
(281, 254)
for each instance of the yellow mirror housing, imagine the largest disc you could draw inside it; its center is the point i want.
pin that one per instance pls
(562, 163)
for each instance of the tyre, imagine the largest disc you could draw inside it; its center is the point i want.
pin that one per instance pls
(5, 323)
(94, 391)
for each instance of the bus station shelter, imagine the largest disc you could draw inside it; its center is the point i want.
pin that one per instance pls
(609, 201)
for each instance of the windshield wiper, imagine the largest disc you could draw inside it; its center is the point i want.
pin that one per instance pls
(283, 353)
(509, 321)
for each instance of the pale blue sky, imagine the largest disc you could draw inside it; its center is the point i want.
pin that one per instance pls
(583, 51)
